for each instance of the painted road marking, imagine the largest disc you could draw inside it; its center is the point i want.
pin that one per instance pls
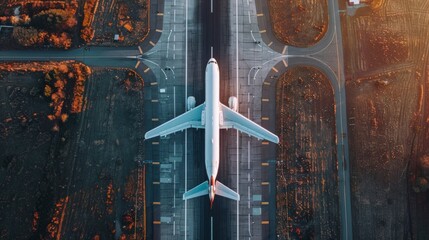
(259, 14)
(156, 222)
(264, 164)
(155, 183)
(137, 64)
(151, 43)
(263, 31)
(265, 118)
(284, 50)
(267, 83)
(265, 222)
(275, 69)
(269, 44)
(265, 142)
(160, 14)
(154, 100)
(265, 203)
(146, 70)
(155, 163)
(284, 62)
(265, 100)
(156, 203)
(158, 30)
(155, 119)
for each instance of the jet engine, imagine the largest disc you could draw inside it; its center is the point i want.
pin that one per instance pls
(233, 103)
(190, 103)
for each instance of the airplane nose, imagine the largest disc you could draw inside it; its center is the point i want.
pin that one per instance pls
(212, 60)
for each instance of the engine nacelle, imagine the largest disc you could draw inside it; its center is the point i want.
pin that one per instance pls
(190, 103)
(233, 103)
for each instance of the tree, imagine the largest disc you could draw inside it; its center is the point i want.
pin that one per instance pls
(60, 41)
(14, 20)
(3, 19)
(87, 34)
(64, 117)
(26, 36)
(48, 91)
(25, 19)
(54, 20)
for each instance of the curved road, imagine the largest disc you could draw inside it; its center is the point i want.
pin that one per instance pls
(326, 55)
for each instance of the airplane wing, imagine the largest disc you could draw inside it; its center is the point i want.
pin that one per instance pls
(237, 121)
(189, 119)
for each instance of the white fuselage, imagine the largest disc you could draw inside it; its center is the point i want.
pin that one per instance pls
(212, 120)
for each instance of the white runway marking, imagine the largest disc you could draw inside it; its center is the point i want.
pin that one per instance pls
(174, 113)
(211, 228)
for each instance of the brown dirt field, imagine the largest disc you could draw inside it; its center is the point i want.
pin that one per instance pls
(387, 83)
(307, 184)
(25, 144)
(114, 17)
(299, 23)
(75, 182)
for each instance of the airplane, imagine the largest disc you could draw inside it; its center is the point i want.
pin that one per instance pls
(212, 116)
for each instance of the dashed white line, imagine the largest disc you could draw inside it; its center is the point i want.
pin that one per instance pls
(174, 112)
(248, 159)
(248, 197)
(211, 228)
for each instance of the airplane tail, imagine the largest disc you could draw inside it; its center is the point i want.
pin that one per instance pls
(204, 189)
(227, 192)
(197, 191)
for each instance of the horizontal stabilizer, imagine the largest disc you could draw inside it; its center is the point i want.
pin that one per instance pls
(197, 191)
(225, 191)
